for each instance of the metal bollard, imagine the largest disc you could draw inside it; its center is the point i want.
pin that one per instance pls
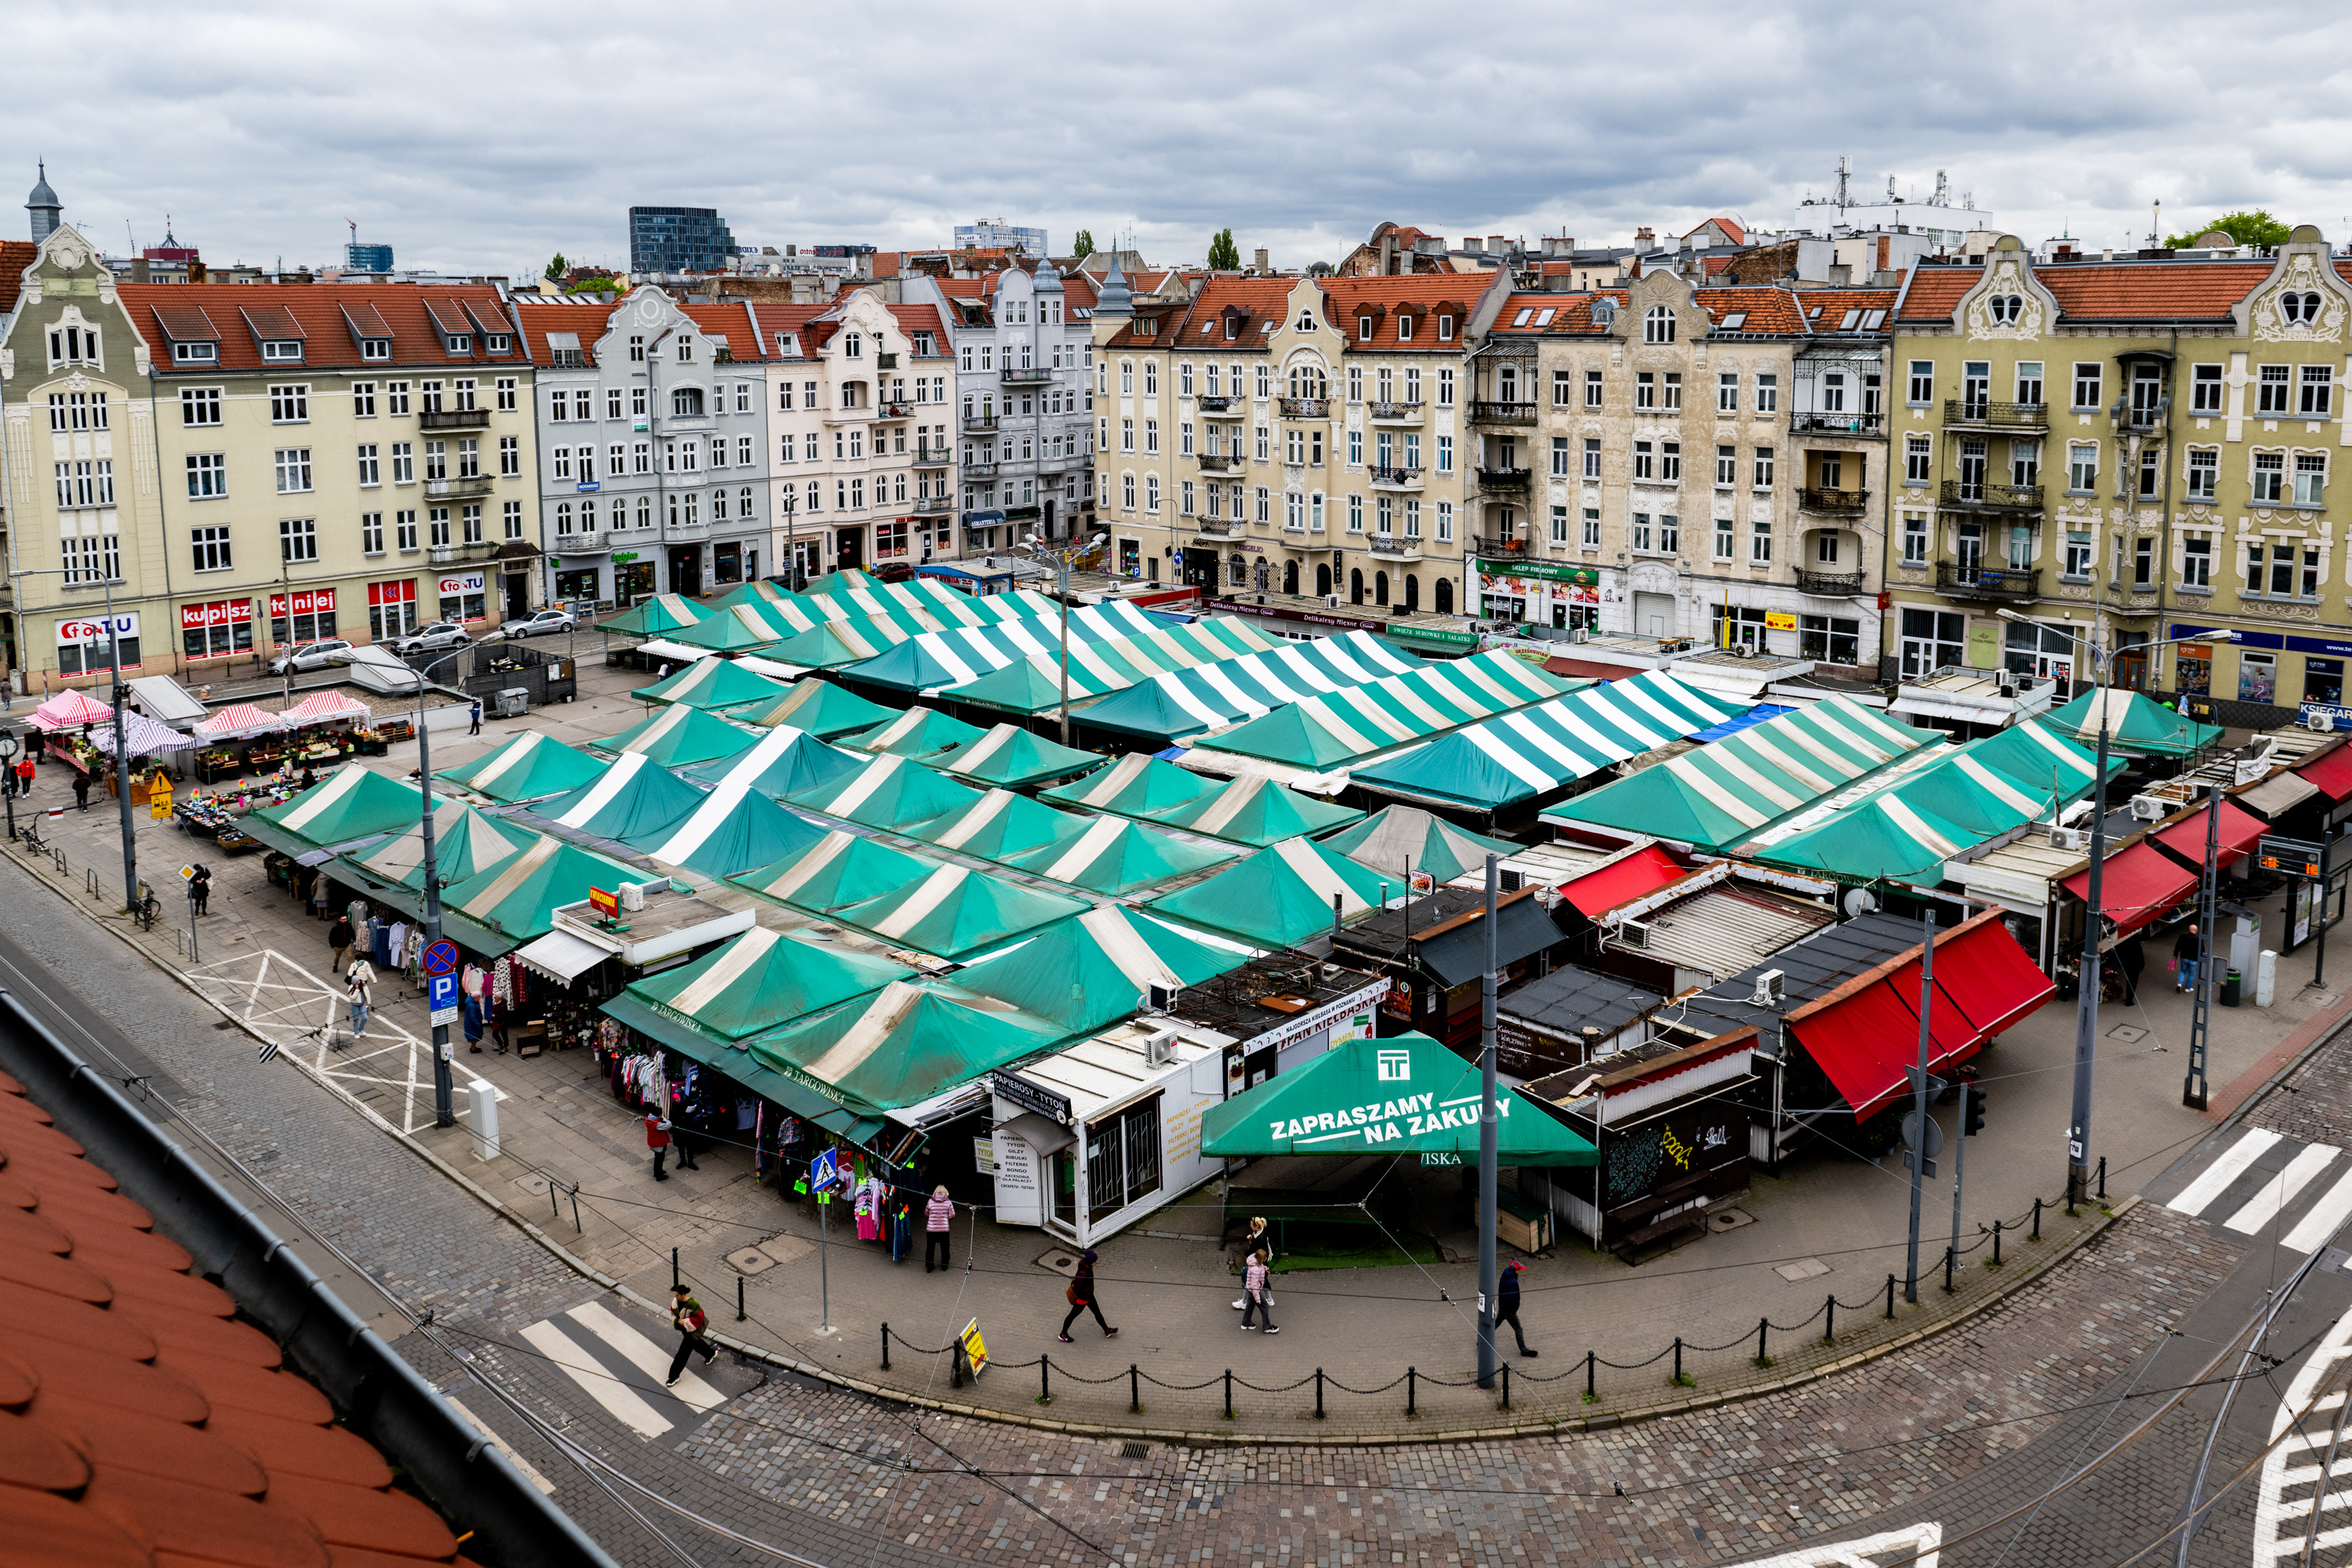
(886, 1347)
(1318, 1394)
(1948, 1261)
(554, 1205)
(1590, 1359)
(673, 1267)
(1761, 1359)
(2037, 1219)
(1410, 1391)
(739, 1299)
(1678, 1360)
(1134, 1390)
(1829, 1331)
(1890, 1297)
(1229, 1393)
(576, 1210)
(2103, 1178)
(1506, 1385)
(1996, 1242)
(1044, 1378)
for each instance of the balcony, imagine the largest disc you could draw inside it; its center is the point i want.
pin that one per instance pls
(1395, 476)
(932, 506)
(1502, 414)
(886, 360)
(1503, 478)
(1829, 584)
(1987, 582)
(454, 419)
(480, 485)
(1818, 423)
(1976, 493)
(1217, 465)
(1222, 530)
(577, 544)
(849, 413)
(2142, 421)
(1816, 499)
(1218, 405)
(1394, 547)
(980, 470)
(1304, 407)
(894, 411)
(1978, 413)
(1027, 375)
(681, 424)
(979, 423)
(1394, 413)
(933, 456)
(1491, 544)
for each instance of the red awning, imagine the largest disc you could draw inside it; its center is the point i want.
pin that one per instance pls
(2140, 884)
(2331, 773)
(1646, 870)
(1865, 1033)
(2240, 831)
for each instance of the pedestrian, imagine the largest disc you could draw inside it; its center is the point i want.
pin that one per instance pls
(81, 789)
(25, 774)
(1506, 1304)
(687, 1316)
(657, 1140)
(309, 777)
(1256, 1239)
(938, 1214)
(359, 990)
(340, 937)
(200, 884)
(2130, 959)
(478, 721)
(1081, 1297)
(1257, 1293)
(682, 1131)
(2187, 948)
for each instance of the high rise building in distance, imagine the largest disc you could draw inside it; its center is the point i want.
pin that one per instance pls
(679, 239)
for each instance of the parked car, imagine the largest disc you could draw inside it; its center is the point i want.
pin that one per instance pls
(427, 638)
(549, 620)
(313, 655)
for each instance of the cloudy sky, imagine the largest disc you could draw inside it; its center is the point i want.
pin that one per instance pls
(479, 138)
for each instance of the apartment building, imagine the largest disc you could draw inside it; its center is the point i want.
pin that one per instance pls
(2142, 448)
(1668, 461)
(653, 446)
(1023, 431)
(1292, 434)
(862, 428)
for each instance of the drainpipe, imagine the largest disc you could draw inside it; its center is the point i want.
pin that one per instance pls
(2163, 547)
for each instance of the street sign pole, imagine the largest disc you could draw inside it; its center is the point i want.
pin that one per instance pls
(2195, 1090)
(1488, 1132)
(1920, 1107)
(9, 780)
(1961, 1169)
(2319, 960)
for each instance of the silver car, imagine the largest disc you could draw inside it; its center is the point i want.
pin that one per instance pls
(427, 638)
(549, 620)
(311, 655)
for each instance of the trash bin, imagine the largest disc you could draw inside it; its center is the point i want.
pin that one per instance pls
(2229, 985)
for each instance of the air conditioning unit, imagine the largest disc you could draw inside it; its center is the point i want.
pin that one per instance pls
(1159, 998)
(1770, 987)
(1634, 933)
(1330, 601)
(2324, 723)
(1582, 634)
(2148, 808)
(2068, 838)
(1161, 1048)
(632, 896)
(2008, 685)
(1507, 880)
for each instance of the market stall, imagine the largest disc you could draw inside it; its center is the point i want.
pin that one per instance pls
(239, 738)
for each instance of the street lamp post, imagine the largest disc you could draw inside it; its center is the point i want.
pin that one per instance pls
(121, 747)
(1061, 556)
(444, 1090)
(792, 575)
(2086, 1004)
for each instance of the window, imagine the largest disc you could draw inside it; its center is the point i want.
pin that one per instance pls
(1152, 435)
(511, 455)
(1264, 442)
(200, 405)
(293, 470)
(1644, 461)
(505, 388)
(403, 525)
(297, 539)
(95, 558)
(1151, 496)
(2078, 556)
(1558, 525)
(2082, 467)
(685, 348)
(1559, 457)
(2025, 462)
(2143, 563)
(403, 463)
(1645, 389)
(1127, 491)
(2318, 391)
(1445, 388)
(1670, 462)
(1763, 467)
(2086, 385)
(209, 475)
(1126, 434)
(2257, 677)
(471, 516)
(2197, 562)
(1759, 543)
(2271, 389)
(1445, 454)
(2205, 389)
(1918, 459)
(1355, 514)
(370, 472)
(1355, 446)
(2204, 468)
(1658, 326)
(1673, 400)
(1725, 530)
(289, 405)
(196, 354)
(436, 461)
(1638, 533)
(463, 392)
(2310, 478)
(1914, 539)
(371, 533)
(1592, 386)
(210, 548)
(1563, 389)
(396, 397)
(2270, 471)
(1768, 394)
(1829, 639)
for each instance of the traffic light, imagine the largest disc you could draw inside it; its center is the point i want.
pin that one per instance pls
(1972, 1115)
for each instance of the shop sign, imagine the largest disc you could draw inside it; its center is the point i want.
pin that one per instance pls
(1433, 635)
(1052, 1107)
(1780, 620)
(622, 557)
(1320, 1020)
(983, 1156)
(2307, 711)
(455, 583)
(218, 613)
(1556, 571)
(2338, 648)
(306, 600)
(1314, 618)
(71, 633)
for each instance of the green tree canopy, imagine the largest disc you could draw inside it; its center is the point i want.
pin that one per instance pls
(1225, 256)
(591, 283)
(1084, 244)
(555, 267)
(2256, 227)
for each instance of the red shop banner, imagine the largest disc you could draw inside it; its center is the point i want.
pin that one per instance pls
(218, 613)
(401, 593)
(308, 600)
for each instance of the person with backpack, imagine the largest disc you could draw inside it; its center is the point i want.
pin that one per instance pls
(687, 1316)
(359, 990)
(200, 885)
(1081, 1297)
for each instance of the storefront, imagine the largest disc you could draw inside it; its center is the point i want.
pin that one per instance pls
(83, 648)
(577, 585)
(1304, 1037)
(463, 596)
(391, 609)
(304, 616)
(1540, 594)
(632, 579)
(217, 628)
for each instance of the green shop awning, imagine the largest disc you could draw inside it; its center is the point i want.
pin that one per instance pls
(1137, 785)
(2037, 758)
(830, 644)
(903, 1044)
(840, 868)
(714, 683)
(737, 630)
(1183, 702)
(464, 843)
(1116, 855)
(889, 793)
(854, 1124)
(734, 829)
(657, 616)
(1010, 756)
(1279, 897)
(518, 897)
(533, 765)
(820, 708)
(1338, 728)
(632, 799)
(1090, 971)
(2137, 724)
(348, 805)
(760, 980)
(677, 737)
(1256, 810)
(1406, 1094)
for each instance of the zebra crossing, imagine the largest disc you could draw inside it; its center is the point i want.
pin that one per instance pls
(2260, 1182)
(622, 1370)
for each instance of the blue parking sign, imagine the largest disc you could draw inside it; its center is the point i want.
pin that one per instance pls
(441, 997)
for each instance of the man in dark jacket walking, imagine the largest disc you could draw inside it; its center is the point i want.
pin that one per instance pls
(1081, 1297)
(2187, 949)
(2129, 959)
(81, 789)
(1506, 1305)
(687, 1316)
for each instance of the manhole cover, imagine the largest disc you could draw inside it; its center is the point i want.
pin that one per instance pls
(1730, 1219)
(535, 1186)
(750, 1260)
(1060, 1262)
(1802, 1268)
(2128, 1033)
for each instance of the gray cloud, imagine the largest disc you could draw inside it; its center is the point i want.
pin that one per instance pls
(476, 138)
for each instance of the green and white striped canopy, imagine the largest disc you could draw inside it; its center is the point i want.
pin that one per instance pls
(1168, 706)
(1333, 730)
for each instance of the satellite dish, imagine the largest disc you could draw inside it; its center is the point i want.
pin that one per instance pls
(1857, 902)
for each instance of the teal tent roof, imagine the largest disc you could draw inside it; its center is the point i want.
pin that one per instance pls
(534, 763)
(734, 829)
(923, 734)
(1882, 836)
(2137, 724)
(352, 803)
(1256, 810)
(1136, 785)
(1010, 756)
(632, 800)
(464, 843)
(760, 980)
(518, 897)
(783, 762)
(1338, 727)
(754, 592)
(830, 644)
(962, 654)
(820, 708)
(1001, 825)
(1279, 897)
(2035, 755)
(841, 868)
(657, 617)
(956, 910)
(714, 683)
(1180, 702)
(1404, 1094)
(1092, 970)
(678, 736)
(903, 1044)
(1405, 838)
(1116, 855)
(891, 793)
(737, 630)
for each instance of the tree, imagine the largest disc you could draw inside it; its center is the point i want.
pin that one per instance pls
(2257, 229)
(556, 268)
(1225, 256)
(1084, 244)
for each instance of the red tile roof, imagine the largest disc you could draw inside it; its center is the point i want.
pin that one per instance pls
(1731, 226)
(732, 322)
(1767, 311)
(1259, 301)
(2205, 291)
(585, 322)
(1423, 295)
(798, 320)
(15, 255)
(913, 318)
(417, 315)
(141, 1425)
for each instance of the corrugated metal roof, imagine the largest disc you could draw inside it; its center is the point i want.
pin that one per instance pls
(1722, 931)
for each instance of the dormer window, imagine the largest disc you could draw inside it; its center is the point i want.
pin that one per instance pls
(788, 344)
(1364, 325)
(458, 343)
(2005, 309)
(925, 344)
(1232, 328)
(1658, 325)
(853, 347)
(2299, 308)
(376, 348)
(283, 351)
(1444, 329)
(685, 348)
(1306, 320)
(1404, 329)
(196, 354)
(498, 344)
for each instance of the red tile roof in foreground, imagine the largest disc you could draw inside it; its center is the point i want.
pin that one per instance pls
(316, 310)
(141, 1425)
(2106, 291)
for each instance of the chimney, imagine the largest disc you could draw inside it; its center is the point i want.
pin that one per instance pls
(1644, 239)
(1883, 244)
(1494, 243)
(1262, 268)
(1634, 271)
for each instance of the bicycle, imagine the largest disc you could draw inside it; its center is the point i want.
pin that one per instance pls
(147, 909)
(30, 834)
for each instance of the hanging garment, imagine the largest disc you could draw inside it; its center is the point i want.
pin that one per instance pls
(471, 1011)
(379, 944)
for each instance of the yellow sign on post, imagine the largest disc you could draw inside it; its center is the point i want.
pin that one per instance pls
(975, 1349)
(159, 797)
(1780, 620)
